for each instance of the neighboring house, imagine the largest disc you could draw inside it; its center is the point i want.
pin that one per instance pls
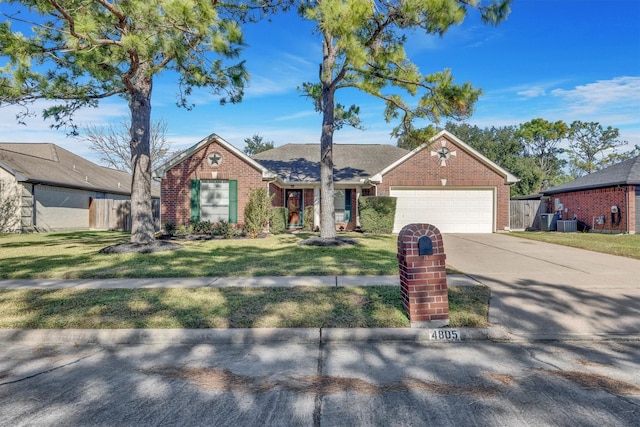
(444, 182)
(60, 190)
(607, 200)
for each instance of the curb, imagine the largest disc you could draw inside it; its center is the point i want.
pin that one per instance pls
(227, 336)
(111, 337)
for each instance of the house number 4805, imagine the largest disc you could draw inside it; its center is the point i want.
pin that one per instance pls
(444, 335)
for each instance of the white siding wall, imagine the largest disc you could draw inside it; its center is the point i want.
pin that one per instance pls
(9, 189)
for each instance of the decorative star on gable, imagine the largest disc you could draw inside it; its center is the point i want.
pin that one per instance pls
(215, 159)
(443, 153)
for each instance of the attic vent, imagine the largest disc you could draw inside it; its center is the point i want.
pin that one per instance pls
(119, 185)
(86, 178)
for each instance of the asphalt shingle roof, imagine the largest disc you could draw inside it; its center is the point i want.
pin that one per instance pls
(49, 164)
(301, 162)
(623, 173)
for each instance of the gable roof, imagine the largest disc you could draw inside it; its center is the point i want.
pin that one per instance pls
(508, 177)
(44, 163)
(626, 172)
(161, 171)
(352, 162)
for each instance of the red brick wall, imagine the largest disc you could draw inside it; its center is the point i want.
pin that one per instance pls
(587, 204)
(461, 171)
(307, 198)
(278, 195)
(176, 187)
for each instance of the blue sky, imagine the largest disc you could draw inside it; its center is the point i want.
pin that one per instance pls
(556, 59)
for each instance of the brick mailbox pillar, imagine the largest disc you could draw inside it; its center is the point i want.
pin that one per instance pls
(423, 276)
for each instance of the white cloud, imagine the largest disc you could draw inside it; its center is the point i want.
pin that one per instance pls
(532, 92)
(619, 93)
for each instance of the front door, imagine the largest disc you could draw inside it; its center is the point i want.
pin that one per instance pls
(294, 205)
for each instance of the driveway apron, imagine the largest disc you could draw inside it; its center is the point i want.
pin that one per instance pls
(541, 290)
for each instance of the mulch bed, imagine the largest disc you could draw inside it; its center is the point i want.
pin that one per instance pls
(140, 248)
(319, 241)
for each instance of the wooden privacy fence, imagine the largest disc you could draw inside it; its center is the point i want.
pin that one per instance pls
(525, 214)
(110, 214)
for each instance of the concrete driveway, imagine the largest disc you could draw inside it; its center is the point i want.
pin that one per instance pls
(541, 290)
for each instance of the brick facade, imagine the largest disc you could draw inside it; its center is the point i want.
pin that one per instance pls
(461, 171)
(175, 191)
(423, 278)
(587, 204)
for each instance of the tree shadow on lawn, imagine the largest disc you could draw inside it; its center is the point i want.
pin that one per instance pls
(200, 261)
(93, 238)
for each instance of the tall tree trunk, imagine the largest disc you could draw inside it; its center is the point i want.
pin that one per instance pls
(327, 208)
(142, 228)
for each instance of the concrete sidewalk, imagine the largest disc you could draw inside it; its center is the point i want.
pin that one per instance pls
(217, 282)
(200, 282)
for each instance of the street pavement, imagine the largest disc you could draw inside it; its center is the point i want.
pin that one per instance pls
(285, 383)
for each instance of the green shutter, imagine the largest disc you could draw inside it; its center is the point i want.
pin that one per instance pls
(233, 201)
(195, 200)
(347, 205)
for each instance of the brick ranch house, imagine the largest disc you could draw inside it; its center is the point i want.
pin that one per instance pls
(443, 182)
(607, 200)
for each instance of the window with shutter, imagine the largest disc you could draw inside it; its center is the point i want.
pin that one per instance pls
(195, 200)
(233, 201)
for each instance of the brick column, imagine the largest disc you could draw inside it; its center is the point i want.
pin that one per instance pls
(423, 276)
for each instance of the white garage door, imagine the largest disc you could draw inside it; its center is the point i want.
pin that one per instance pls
(452, 211)
(61, 208)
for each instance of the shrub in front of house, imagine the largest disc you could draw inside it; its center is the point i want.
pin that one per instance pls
(226, 230)
(307, 224)
(377, 214)
(169, 228)
(183, 230)
(257, 212)
(202, 227)
(278, 220)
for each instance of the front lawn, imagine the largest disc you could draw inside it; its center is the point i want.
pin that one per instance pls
(74, 255)
(627, 245)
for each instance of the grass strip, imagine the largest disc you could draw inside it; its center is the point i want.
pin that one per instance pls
(305, 307)
(626, 245)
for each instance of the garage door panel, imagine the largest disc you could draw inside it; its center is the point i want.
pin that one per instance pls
(452, 211)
